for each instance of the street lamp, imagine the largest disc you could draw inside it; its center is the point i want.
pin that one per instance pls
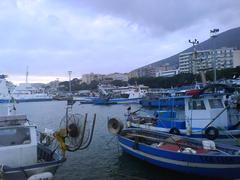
(213, 34)
(69, 74)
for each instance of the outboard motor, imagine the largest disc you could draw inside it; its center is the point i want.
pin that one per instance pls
(114, 126)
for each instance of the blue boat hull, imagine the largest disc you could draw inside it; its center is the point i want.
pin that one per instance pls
(213, 166)
(116, 101)
(33, 100)
(4, 100)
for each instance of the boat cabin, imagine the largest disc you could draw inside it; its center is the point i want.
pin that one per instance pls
(18, 141)
(198, 112)
(201, 111)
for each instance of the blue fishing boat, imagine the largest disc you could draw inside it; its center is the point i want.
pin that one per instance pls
(121, 95)
(109, 101)
(103, 101)
(181, 154)
(205, 115)
(163, 102)
(167, 98)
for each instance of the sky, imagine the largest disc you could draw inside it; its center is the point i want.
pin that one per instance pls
(52, 37)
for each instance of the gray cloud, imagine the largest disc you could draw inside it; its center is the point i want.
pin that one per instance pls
(103, 36)
(165, 16)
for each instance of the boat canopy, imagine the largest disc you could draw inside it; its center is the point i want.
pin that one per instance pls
(12, 120)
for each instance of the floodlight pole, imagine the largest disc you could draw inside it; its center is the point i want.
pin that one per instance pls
(213, 34)
(194, 43)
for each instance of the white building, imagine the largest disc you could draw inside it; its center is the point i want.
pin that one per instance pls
(204, 60)
(118, 76)
(167, 73)
(88, 78)
(236, 58)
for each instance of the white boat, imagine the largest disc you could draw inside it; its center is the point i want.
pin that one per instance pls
(26, 154)
(120, 95)
(22, 156)
(25, 92)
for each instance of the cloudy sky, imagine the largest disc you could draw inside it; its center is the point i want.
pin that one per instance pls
(52, 37)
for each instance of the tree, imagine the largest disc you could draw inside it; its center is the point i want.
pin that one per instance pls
(183, 78)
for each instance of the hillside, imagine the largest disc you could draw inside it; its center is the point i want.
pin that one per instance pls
(230, 38)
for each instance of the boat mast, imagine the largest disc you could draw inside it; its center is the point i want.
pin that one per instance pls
(27, 75)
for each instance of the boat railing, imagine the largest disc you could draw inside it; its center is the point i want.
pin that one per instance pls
(185, 119)
(234, 114)
(44, 153)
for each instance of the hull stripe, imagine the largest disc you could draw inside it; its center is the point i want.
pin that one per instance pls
(180, 163)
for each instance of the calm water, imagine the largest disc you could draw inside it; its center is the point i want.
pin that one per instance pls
(103, 159)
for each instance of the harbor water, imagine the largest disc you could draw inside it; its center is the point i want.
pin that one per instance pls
(103, 159)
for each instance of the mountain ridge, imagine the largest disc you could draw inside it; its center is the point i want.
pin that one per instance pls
(229, 38)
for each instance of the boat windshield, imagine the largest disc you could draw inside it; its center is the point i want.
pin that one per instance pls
(14, 136)
(215, 103)
(196, 105)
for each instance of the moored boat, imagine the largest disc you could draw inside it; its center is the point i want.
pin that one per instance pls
(120, 95)
(159, 102)
(165, 98)
(205, 115)
(22, 155)
(180, 153)
(29, 154)
(25, 92)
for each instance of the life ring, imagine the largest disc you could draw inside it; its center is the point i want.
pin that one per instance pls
(211, 133)
(174, 131)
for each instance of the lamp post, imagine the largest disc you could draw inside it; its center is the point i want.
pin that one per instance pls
(213, 34)
(193, 61)
(27, 75)
(194, 58)
(69, 74)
